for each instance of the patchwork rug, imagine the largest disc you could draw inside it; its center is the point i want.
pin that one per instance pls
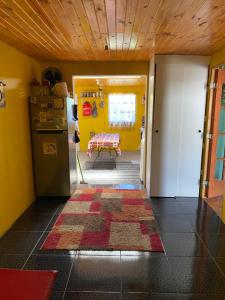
(105, 219)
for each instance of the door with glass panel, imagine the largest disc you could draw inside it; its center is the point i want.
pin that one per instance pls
(216, 166)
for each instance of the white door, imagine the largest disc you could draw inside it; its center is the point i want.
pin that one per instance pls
(177, 131)
(191, 130)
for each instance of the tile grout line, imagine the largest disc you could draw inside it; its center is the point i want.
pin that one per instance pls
(38, 241)
(27, 231)
(32, 250)
(75, 258)
(197, 234)
(167, 258)
(93, 292)
(121, 284)
(208, 251)
(164, 248)
(211, 256)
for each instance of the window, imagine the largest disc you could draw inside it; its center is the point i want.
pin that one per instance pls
(122, 110)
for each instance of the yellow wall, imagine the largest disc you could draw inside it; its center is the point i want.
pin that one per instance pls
(130, 138)
(218, 58)
(71, 68)
(16, 179)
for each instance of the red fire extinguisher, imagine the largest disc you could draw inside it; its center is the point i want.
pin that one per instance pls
(87, 109)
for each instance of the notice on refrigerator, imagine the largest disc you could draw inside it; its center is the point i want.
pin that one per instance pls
(43, 116)
(58, 103)
(49, 147)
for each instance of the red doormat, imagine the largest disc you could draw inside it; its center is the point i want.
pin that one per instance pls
(26, 284)
(106, 219)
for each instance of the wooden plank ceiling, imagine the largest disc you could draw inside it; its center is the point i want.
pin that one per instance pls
(111, 81)
(132, 29)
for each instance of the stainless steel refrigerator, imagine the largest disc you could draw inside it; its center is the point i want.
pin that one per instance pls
(54, 154)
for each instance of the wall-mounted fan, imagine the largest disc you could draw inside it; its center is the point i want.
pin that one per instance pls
(53, 75)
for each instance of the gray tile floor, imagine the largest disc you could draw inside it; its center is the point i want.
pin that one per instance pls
(106, 169)
(192, 267)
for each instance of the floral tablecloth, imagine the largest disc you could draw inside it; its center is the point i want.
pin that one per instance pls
(104, 141)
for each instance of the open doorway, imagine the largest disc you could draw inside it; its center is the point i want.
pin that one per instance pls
(213, 183)
(111, 121)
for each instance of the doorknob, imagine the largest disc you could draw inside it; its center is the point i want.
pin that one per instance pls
(156, 131)
(199, 131)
